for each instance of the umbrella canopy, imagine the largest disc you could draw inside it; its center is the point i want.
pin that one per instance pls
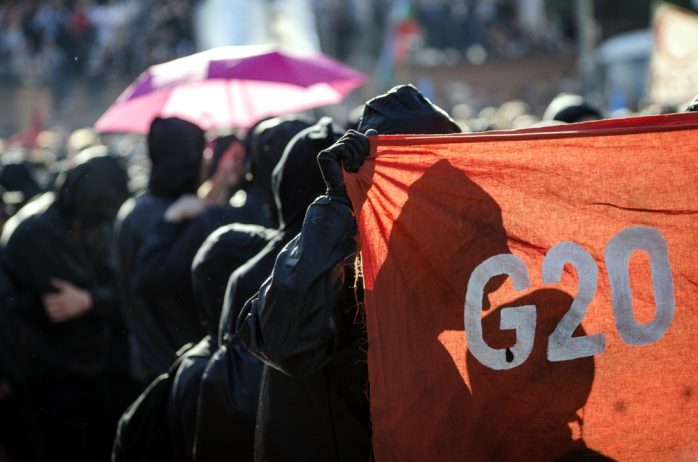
(230, 87)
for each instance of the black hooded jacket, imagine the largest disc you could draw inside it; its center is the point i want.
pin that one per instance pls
(162, 268)
(164, 263)
(230, 387)
(223, 251)
(305, 321)
(67, 235)
(174, 410)
(158, 326)
(166, 257)
(226, 249)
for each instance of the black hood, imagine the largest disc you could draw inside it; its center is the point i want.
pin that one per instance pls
(210, 274)
(297, 180)
(175, 148)
(570, 108)
(404, 110)
(18, 177)
(267, 143)
(93, 189)
(224, 250)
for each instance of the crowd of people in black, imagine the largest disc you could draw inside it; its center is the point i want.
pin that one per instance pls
(216, 315)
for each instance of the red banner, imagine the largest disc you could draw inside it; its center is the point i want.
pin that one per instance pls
(530, 295)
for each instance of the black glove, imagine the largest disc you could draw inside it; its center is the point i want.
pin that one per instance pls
(350, 150)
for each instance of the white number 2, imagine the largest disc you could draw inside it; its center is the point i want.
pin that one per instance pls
(562, 346)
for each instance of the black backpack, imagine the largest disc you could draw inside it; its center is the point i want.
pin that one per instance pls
(228, 404)
(142, 434)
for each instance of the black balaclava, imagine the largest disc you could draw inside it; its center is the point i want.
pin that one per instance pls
(175, 148)
(93, 189)
(404, 110)
(297, 179)
(268, 142)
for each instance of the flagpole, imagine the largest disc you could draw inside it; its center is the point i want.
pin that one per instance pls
(585, 43)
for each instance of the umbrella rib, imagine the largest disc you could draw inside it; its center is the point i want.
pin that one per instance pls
(228, 88)
(246, 97)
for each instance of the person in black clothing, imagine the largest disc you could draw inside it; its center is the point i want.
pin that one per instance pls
(222, 252)
(160, 424)
(569, 108)
(228, 159)
(306, 320)
(163, 265)
(56, 252)
(158, 326)
(166, 257)
(230, 386)
(226, 249)
(14, 437)
(17, 177)
(266, 142)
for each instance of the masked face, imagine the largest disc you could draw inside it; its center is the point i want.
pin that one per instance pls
(93, 191)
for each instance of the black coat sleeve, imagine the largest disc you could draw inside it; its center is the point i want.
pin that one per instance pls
(163, 264)
(33, 260)
(289, 322)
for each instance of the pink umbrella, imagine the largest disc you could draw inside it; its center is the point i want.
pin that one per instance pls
(230, 87)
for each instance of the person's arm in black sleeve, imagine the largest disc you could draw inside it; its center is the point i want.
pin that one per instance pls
(69, 300)
(29, 258)
(288, 323)
(77, 293)
(163, 264)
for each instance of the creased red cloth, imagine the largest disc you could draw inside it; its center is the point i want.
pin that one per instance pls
(433, 208)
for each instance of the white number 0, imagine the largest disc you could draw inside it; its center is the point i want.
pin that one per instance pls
(562, 346)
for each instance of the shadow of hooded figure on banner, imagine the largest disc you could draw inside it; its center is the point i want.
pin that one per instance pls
(459, 408)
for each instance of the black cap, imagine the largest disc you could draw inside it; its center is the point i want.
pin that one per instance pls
(571, 108)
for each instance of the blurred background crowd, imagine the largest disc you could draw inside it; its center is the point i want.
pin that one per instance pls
(62, 62)
(492, 64)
